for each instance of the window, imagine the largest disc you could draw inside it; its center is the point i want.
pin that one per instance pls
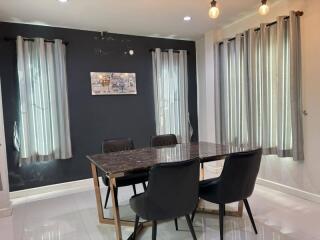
(42, 131)
(170, 82)
(258, 89)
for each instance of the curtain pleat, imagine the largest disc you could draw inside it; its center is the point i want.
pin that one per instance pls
(257, 85)
(170, 81)
(62, 103)
(217, 93)
(43, 124)
(295, 88)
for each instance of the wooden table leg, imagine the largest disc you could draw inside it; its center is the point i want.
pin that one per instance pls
(115, 209)
(202, 171)
(237, 213)
(116, 221)
(98, 192)
(240, 208)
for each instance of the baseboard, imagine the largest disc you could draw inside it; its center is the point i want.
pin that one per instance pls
(5, 212)
(87, 184)
(50, 191)
(289, 190)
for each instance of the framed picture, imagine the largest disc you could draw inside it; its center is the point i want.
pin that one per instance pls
(110, 83)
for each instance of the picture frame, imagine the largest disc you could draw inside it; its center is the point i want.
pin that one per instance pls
(113, 83)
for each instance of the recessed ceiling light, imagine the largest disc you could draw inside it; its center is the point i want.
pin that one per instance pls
(187, 18)
(63, 1)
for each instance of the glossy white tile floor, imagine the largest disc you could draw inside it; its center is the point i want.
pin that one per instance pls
(74, 217)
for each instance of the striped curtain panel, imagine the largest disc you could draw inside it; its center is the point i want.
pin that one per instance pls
(170, 84)
(258, 89)
(43, 131)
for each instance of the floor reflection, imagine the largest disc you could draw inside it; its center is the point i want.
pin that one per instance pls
(74, 216)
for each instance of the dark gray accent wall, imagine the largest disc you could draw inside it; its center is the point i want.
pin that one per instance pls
(92, 118)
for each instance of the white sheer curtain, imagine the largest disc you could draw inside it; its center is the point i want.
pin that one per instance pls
(258, 89)
(43, 131)
(170, 83)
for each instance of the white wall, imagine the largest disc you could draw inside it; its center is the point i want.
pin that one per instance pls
(5, 206)
(301, 175)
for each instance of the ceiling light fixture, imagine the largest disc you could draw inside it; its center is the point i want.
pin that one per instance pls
(214, 10)
(63, 1)
(187, 18)
(264, 8)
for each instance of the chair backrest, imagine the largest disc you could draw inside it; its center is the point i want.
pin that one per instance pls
(239, 176)
(117, 145)
(174, 188)
(163, 140)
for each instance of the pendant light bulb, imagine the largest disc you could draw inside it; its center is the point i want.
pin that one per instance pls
(264, 8)
(214, 10)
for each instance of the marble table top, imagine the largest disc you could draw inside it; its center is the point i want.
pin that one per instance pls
(119, 163)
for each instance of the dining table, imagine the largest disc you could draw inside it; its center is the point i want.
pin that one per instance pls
(118, 164)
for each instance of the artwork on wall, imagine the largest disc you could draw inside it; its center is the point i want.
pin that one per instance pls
(110, 83)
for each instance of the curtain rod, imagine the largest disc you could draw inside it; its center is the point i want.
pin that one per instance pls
(166, 50)
(32, 40)
(298, 13)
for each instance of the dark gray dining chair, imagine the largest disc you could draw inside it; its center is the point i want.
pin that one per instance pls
(236, 183)
(172, 192)
(116, 145)
(163, 140)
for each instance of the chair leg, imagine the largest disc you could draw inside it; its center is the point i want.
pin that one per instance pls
(246, 204)
(154, 230)
(191, 227)
(134, 189)
(116, 196)
(107, 197)
(193, 215)
(144, 186)
(194, 211)
(136, 223)
(176, 224)
(221, 215)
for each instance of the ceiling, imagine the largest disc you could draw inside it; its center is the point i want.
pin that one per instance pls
(156, 18)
